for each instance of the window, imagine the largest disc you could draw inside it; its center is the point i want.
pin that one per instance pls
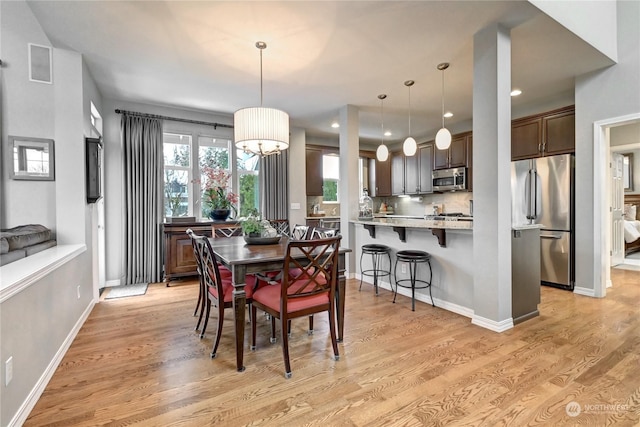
(213, 153)
(330, 178)
(177, 174)
(184, 159)
(248, 182)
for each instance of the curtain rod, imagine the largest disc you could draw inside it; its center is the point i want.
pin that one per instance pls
(175, 119)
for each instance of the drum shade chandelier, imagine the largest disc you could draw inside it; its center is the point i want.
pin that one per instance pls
(382, 153)
(410, 146)
(261, 130)
(443, 137)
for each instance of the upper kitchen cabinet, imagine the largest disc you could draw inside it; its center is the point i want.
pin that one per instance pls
(397, 173)
(456, 156)
(412, 175)
(379, 178)
(544, 134)
(314, 171)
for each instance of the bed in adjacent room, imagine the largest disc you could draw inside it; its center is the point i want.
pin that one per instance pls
(631, 224)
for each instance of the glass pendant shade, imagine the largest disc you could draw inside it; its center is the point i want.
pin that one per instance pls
(409, 147)
(443, 139)
(261, 130)
(382, 153)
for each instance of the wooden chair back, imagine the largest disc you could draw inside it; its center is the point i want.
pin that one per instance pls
(281, 226)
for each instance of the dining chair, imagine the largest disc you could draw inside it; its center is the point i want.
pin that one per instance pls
(281, 226)
(202, 289)
(227, 230)
(299, 232)
(329, 223)
(322, 232)
(219, 289)
(303, 295)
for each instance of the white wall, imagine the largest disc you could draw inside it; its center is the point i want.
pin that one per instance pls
(602, 95)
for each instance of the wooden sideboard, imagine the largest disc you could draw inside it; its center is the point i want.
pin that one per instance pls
(178, 252)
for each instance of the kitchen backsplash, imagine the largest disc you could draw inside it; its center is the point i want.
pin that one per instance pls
(446, 202)
(329, 209)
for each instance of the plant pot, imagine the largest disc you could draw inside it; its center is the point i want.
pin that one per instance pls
(219, 214)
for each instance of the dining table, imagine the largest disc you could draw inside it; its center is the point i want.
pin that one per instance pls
(242, 259)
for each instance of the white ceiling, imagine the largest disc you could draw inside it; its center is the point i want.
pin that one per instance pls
(320, 56)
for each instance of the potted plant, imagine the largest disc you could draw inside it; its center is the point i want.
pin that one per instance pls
(217, 197)
(252, 226)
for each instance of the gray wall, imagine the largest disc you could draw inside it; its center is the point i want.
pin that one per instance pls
(612, 92)
(38, 322)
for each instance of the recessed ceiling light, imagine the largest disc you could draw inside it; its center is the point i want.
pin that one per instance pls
(448, 114)
(387, 133)
(516, 92)
(335, 125)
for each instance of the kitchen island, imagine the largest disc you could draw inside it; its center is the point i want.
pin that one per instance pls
(449, 243)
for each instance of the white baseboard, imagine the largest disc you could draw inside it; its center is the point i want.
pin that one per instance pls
(588, 292)
(449, 306)
(25, 409)
(492, 325)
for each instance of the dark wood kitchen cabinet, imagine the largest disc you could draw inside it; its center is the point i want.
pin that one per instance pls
(179, 260)
(456, 156)
(379, 178)
(544, 134)
(314, 172)
(412, 175)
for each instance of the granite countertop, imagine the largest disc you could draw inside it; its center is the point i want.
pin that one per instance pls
(526, 226)
(323, 217)
(416, 222)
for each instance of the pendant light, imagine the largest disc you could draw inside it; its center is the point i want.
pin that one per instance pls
(443, 137)
(410, 146)
(261, 130)
(382, 153)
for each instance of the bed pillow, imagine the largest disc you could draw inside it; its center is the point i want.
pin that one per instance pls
(631, 231)
(25, 235)
(630, 212)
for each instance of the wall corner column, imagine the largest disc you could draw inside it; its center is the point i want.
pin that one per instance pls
(349, 180)
(492, 178)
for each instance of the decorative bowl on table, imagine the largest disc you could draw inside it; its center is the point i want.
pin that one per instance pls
(261, 240)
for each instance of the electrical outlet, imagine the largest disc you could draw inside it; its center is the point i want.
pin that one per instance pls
(78, 289)
(8, 371)
(403, 268)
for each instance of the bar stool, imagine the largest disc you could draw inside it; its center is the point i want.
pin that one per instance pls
(377, 252)
(413, 257)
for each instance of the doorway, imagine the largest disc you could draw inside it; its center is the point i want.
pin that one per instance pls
(621, 133)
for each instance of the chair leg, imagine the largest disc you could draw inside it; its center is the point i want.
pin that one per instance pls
(395, 276)
(253, 326)
(412, 274)
(218, 330)
(273, 330)
(195, 312)
(361, 275)
(289, 328)
(285, 351)
(206, 317)
(202, 300)
(310, 331)
(332, 331)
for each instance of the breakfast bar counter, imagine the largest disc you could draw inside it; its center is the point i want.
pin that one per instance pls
(400, 224)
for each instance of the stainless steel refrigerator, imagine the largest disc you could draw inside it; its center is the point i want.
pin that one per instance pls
(542, 192)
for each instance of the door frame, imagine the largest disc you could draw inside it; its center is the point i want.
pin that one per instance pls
(601, 258)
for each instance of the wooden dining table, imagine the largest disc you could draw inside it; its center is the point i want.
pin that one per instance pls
(243, 259)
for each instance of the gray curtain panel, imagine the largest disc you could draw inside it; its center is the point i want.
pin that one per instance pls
(142, 146)
(274, 186)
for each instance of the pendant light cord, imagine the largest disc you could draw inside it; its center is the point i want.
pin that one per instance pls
(443, 98)
(261, 78)
(409, 110)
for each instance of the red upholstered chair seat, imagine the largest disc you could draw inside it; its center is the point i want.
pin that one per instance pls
(227, 287)
(270, 297)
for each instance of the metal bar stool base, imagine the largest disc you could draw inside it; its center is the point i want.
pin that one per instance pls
(377, 252)
(413, 258)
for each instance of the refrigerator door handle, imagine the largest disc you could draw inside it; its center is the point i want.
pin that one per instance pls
(546, 236)
(530, 193)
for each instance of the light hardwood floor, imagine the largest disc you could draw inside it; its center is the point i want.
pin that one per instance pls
(137, 361)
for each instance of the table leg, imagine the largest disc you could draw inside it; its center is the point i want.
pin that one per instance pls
(239, 304)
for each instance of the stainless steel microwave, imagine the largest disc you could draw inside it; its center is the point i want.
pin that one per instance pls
(453, 179)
